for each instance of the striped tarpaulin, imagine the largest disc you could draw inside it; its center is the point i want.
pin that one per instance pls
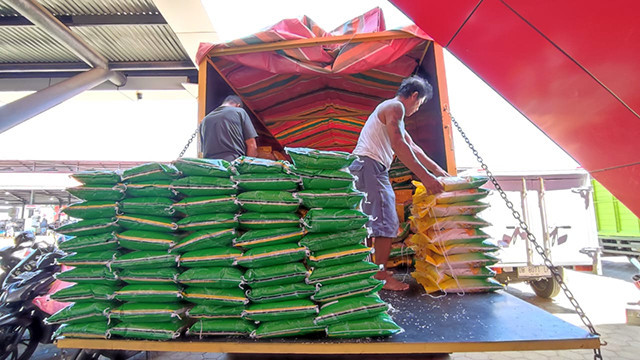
(318, 95)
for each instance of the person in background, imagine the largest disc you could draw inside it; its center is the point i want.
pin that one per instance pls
(44, 226)
(382, 137)
(227, 132)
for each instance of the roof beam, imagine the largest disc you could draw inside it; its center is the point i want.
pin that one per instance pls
(90, 20)
(78, 66)
(38, 15)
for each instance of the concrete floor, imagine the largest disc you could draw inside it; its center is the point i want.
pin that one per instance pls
(604, 299)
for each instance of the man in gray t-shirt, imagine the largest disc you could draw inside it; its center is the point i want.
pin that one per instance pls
(227, 132)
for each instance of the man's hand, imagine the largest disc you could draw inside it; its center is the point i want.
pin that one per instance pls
(441, 173)
(432, 185)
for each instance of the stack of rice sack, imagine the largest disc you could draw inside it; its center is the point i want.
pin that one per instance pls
(90, 244)
(452, 252)
(401, 182)
(152, 306)
(210, 281)
(275, 273)
(345, 289)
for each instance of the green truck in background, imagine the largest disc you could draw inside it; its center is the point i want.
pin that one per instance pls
(618, 227)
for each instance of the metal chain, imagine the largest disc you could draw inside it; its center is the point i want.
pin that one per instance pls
(554, 271)
(193, 136)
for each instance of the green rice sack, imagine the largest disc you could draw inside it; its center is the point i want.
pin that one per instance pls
(92, 209)
(99, 275)
(98, 192)
(153, 188)
(93, 177)
(334, 220)
(338, 256)
(161, 293)
(148, 206)
(211, 296)
(149, 276)
(204, 186)
(326, 241)
(208, 222)
(214, 277)
(459, 208)
(274, 182)
(354, 308)
(212, 257)
(148, 312)
(256, 238)
(84, 292)
(81, 312)
(205, 239)
(276, 275)
(320, 179)
(277, 293)
(251, 165)
(146, 240)
(281, 310)
(204, 167)
(99, 258)
(269, 201)
(216, 312)
(379, 325)
(150, 172)
(319, 159)
(167, 330)
(285, 328)
(459, 196)
(402, 251)
(262, 221)
(146, 260)
(207, 205)
(147, 223)
(90, 243)
(454, 183)
(334, 199)
(89, 227)
(272, 255)
(326, 293)
(343, 273)
(91, 330)
(221, 327)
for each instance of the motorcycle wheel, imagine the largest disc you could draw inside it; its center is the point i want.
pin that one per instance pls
(21, 343)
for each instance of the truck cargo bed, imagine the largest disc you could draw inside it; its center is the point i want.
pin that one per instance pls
(470, 323)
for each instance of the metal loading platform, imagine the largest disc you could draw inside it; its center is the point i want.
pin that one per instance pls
(469, 323)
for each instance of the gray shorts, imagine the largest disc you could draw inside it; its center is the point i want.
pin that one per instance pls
(380, 203)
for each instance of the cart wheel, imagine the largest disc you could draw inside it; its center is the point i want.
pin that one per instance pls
(547, 288)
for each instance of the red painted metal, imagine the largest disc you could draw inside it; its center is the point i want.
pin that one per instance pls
(568, 66)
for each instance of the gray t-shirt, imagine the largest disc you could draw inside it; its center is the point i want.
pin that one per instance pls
(223, 133)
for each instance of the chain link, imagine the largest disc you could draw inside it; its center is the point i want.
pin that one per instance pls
(193, 136)
(554, 271)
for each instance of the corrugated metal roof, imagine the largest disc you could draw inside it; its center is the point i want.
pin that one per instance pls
(134, 42)
(29, 44)
(90, 7)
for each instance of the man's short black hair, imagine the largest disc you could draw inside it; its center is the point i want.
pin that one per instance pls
(415, 83)
(233, 99)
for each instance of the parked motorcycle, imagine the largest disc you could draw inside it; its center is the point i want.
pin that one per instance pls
(11, 255)
(22, 325)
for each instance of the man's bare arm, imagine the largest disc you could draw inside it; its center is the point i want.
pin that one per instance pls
(425, 160)
(392, 116)
(252, 147)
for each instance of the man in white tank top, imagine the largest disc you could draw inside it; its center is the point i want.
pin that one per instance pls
(382, 137)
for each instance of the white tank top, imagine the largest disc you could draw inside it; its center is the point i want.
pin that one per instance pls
(374, 140)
